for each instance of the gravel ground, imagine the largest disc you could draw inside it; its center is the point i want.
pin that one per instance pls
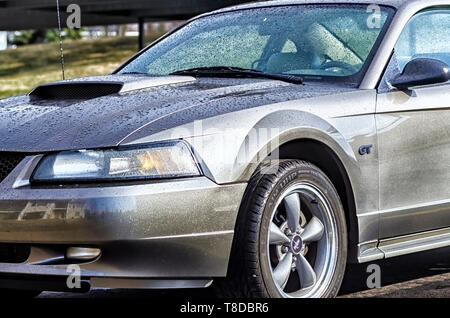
(424, 275)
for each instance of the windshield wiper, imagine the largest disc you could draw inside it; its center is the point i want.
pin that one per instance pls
(229, 70)
(132, 73)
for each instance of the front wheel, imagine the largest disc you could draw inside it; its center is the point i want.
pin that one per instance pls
(291, 236)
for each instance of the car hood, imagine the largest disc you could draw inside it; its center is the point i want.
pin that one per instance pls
(51, 119)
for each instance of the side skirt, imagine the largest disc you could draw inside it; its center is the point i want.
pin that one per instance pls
(402, 245)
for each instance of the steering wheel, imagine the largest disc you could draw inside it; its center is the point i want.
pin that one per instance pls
(337, 64)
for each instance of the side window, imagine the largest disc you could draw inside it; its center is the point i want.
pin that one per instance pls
(427, 35)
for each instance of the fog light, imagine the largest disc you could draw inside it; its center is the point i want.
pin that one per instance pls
(83, 253)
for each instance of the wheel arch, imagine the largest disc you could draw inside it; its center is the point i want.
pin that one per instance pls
(316, 141)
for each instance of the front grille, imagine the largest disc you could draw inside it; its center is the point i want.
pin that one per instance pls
(14, 253)
(8, 161)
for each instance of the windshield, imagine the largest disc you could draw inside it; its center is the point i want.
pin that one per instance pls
(312, 41)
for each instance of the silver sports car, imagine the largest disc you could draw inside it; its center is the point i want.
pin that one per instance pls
(258, 148)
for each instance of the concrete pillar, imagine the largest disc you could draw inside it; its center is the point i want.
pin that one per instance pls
(141, 33)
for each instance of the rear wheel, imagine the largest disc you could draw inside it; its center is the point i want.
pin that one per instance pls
(291, 236)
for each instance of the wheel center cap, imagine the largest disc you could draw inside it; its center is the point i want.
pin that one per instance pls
(297, 244)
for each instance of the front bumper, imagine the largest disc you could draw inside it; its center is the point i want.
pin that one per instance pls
(180, 229)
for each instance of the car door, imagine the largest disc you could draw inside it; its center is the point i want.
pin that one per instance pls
(414, 135)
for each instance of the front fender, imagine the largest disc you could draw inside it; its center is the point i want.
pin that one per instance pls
(234, 149)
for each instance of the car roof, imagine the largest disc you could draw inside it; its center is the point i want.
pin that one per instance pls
(393, 3)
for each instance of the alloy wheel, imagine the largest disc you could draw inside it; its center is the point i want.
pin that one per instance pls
(302, 242)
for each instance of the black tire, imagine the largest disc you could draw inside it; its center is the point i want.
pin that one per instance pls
(18, 294)
(248, 273)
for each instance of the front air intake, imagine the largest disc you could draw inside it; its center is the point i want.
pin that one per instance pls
(8, 162)
(14, 253)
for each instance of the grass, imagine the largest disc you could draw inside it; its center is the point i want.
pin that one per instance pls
(26, 67)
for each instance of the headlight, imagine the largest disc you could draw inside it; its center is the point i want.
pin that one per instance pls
(157, 161)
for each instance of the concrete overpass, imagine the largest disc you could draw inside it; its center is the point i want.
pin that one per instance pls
(35, 14)
(40, 14)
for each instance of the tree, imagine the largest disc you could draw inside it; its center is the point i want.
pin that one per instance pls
(44, 35)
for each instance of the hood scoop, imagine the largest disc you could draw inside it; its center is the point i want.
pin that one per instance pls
(95, 87)
(74, 90)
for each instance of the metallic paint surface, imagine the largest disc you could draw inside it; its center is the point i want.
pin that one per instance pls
(29, 125)
(414, 143)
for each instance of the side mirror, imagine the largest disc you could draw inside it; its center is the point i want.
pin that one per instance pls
(422, 71)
